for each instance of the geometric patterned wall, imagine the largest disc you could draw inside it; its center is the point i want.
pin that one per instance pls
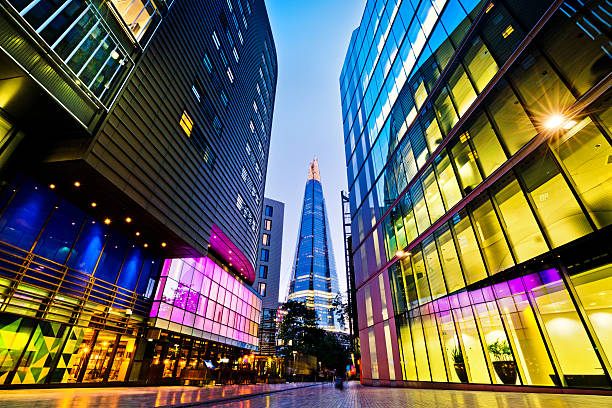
(37, 343)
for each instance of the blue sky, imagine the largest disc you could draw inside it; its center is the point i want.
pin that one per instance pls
(311, 41)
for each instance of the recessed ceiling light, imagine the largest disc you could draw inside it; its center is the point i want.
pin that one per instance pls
(128, 220)
(51, 186)
(77, 184)
(137, 233)
(107, 221)
(146, 245)
(163, 244)
(93, 204)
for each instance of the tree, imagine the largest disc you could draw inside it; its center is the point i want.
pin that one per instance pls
(341, 310)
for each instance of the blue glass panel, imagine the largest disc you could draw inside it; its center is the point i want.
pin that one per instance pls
(131, 268)
(26, 214)
(59, 234)
(85, 254)
(149, 270)
(112, 258)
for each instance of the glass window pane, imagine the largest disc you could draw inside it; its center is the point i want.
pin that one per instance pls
(418, 268)
(473, 266)
(497, 345)
(373, 357)
(445, 111)
(555, 204)
(462, 90)
(60, 232)
(584, 153)
(432, 131)
(409, 221)
(434, 351)
(449, 259)
(474, 358)
(513, 123)
(420, 349)
(450, 344)
(486, 224)
(489, 150)
(572, 347)
(524, 333)
(465, 161)
(409, 282)
(434, 270)
(432, 194)
(420, 209)
(523, 231)
(449, 187)
(406, 351)
(540, 87)
(480, 64)
(594, 288)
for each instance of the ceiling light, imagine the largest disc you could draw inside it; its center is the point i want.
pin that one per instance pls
(163, 244)
(137, 233)
(107, 221)
(128, 220)
(93, 204)
(146, 245)
(77, 184)
(51, 186)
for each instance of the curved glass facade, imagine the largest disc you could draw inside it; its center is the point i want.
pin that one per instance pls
(473, 186)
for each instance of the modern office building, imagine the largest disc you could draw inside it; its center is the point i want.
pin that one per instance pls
(478, 151)
(132, 165)
(314, 280)
(268, 270)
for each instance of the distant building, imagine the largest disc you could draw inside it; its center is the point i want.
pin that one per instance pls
(314, 279)
(268, 269)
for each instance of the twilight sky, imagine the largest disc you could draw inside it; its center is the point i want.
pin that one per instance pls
(311, 41)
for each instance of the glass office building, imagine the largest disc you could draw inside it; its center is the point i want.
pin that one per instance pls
(478, 151)
(133, 135)
(314, 279)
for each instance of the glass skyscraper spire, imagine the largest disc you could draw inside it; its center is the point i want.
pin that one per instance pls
(314, 280)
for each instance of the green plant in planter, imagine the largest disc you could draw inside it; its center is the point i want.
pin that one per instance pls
(457, 356)
(500, 350)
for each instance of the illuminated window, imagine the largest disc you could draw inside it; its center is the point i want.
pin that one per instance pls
(265, 239)
(265, 255)
(268, 225)
(262, 289)
(186, 123)
(269, 211)
(263, 271)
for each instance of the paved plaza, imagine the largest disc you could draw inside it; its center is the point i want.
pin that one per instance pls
(288, 396)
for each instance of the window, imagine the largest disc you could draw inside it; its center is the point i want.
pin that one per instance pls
(265, 255)
(265, 239)
(268, 225)
(186, 123)
(263, 271)
(207, 63)
(262, 289)
(269, 211)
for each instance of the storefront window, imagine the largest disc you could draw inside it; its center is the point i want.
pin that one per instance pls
(572, 347)
(434, 350)
(407, 353)
(450, 344)
(476, 365)
(420, 349)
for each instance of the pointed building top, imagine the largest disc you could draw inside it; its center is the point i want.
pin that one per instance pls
(313, 170)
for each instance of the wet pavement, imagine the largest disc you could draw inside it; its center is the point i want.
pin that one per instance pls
(288, 396)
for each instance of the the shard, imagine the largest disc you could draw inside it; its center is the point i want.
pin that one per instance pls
(314, 279)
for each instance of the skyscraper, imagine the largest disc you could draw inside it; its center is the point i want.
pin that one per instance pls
(478, 150)
(133, 161)
(268, 271)
(314, 279)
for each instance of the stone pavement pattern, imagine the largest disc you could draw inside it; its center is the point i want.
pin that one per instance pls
(353, 395)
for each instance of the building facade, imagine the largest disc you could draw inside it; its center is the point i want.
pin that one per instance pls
(314, 280)
(131, 200)
(268, 270)
(478, 146)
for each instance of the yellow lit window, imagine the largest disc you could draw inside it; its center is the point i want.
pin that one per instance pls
(186, 123)
(508, 31)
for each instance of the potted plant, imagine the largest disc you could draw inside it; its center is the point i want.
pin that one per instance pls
(503, 363)
(459, 364)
